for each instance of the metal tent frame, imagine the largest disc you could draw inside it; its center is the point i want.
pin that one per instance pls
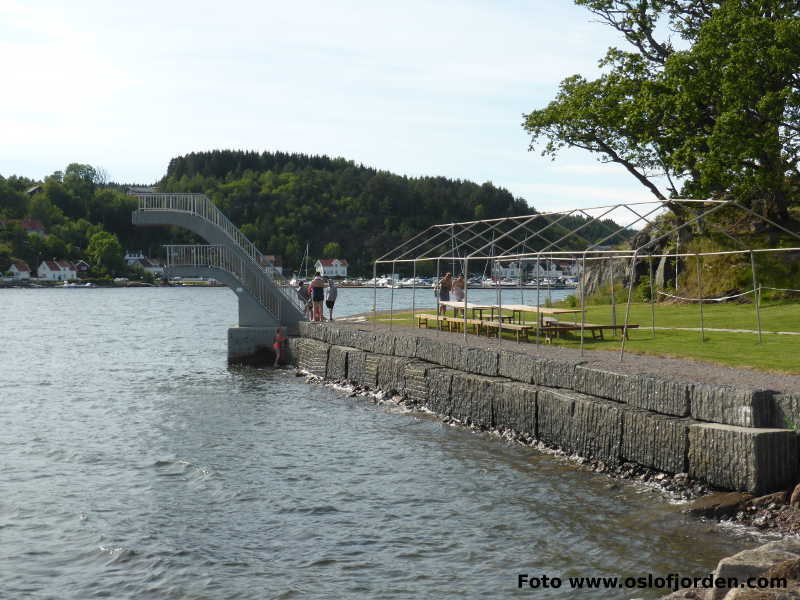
(508, 239)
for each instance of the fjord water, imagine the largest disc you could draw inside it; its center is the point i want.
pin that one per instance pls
(136, 464)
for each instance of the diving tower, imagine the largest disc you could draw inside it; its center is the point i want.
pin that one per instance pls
(265, 300)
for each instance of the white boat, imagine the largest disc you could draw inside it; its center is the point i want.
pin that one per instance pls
(410, 282)
(69, 284)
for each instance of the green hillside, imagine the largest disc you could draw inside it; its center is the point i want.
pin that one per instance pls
(281, 201)
(341, 209)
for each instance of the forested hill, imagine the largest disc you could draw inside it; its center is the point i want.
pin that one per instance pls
(283, 201)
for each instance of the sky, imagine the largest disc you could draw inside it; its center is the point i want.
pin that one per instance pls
(415, 88)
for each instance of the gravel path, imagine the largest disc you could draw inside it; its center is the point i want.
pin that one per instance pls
(680, 369)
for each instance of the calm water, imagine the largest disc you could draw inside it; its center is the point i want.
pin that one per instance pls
(135, 464)
(361, 300)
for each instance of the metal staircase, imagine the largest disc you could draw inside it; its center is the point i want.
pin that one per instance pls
(265, 298)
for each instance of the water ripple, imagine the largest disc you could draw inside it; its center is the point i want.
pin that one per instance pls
(137, 466)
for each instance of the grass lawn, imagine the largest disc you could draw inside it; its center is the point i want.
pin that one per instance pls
(775, 353)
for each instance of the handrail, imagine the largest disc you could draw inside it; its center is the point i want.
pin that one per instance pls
(222, 257)
(201, 206)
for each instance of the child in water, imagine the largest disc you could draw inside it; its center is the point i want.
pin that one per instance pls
(277, 344)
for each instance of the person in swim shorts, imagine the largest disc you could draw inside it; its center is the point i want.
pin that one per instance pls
(317, 295)
(330, 297)
(445, 285)
(277, 345)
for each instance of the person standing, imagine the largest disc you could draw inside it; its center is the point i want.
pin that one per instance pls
(330, 297)
(277, 345)
(445, 285)
(303, 296)
(458, 291)
(317, 295)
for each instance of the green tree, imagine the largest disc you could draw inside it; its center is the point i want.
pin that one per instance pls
(718, 118)
(54, 247)
(44, 210)
(5, 256)
(13, 203)
(106, 252)
(332, 250)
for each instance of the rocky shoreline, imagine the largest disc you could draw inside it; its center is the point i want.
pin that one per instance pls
(778, 512)
(677, 487)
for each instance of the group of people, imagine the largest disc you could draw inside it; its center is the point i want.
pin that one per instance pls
(313, 295)
(448, 289)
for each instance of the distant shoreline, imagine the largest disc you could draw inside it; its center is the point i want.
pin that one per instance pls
(98, 285)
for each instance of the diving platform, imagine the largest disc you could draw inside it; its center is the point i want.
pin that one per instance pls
(266, 301)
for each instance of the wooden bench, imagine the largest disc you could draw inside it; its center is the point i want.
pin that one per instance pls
(518, 329)
(422, 319)
(477, 324)
(554, 328)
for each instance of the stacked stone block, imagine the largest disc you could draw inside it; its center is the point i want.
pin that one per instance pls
(597, 429)
(439, 390)
(337, 363)
(416, 384)
(391, 373)
(514, 408)
(743, 458)
(472, 398)
(656, 441)
(657, 394)
(554, 410)
(313, 356)
(718, 433)
(732, 406)
(356, 364)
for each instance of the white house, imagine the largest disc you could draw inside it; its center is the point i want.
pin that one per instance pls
(331, 267)
(20, 270)
(544, 268)
(133, 258)
(60, 270)
(148, 264)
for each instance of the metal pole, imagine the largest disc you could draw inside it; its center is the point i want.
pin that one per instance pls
(466, 287)
(700, 295)
(499, 297)
(538, 297)
(756, 295)
(652, 301)
(391, 296)
(628, 307)
(583, 298)
(374, 294)
(438, 290)
(414, 292)
(613, 296)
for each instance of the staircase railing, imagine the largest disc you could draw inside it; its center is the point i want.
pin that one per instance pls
(201, 206)
(222, 257)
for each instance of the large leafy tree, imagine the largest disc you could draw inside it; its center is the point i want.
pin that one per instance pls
(702, 102)
(106, 252)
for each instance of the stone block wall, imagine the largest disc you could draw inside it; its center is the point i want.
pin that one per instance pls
(728, 437)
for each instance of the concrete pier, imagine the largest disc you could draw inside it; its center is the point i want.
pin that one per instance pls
(725, 436)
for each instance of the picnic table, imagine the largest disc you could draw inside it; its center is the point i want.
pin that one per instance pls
(548, 327)
(541, 311)
(475, 308)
